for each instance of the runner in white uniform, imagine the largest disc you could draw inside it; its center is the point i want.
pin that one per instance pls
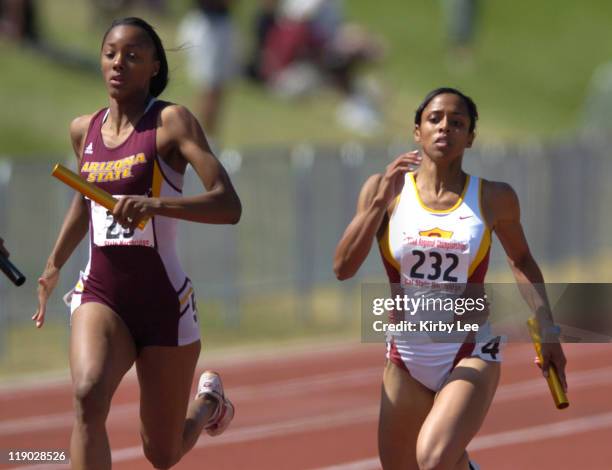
(422, 246)
(433, 227)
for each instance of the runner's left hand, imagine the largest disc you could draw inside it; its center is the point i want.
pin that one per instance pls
(552, 353)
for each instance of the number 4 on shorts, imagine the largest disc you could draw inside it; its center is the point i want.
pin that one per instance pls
(492, 347)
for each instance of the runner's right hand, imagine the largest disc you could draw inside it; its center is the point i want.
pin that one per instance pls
(46, 283)
(393, 178)
(3, 250)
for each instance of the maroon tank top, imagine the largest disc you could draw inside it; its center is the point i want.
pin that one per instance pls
(128, 168)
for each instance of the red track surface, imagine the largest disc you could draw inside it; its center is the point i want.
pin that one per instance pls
(312, 410)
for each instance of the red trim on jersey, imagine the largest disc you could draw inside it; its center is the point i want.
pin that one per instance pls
(392, 273)
(478, 276)
(395, 358)
(466, 349)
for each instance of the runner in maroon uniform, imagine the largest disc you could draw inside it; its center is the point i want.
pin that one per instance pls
(133, 302)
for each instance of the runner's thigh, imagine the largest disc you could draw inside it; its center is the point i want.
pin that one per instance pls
(458, 411)
(404, 406)
(101, 352)
(165, 375)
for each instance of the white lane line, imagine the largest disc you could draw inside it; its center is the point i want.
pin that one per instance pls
(576, 380)
(258, 432)
(238, 357)
(366, 464)
(284, 428)
(40, 383)
(500, 439)
(520, 352)
(58, 420)
(318, 383)
(310, 384)
(542, 432)
(295, 387)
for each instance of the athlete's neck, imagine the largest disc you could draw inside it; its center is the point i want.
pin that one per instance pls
(439, 178)
(126, 113)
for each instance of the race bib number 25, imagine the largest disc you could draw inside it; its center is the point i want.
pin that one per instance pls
(108, 232)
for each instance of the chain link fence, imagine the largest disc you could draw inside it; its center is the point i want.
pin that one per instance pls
(296, 204)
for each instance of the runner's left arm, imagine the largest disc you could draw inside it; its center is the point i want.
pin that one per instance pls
(182, 138)
(503, 207)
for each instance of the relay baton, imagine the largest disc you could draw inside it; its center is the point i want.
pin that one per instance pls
(87, 189)
(554, 384)
(11, 271)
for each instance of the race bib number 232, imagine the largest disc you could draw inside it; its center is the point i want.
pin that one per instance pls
(433, 261)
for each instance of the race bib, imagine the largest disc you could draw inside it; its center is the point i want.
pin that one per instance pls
(490, 347)
(434, 262)
(108, 232)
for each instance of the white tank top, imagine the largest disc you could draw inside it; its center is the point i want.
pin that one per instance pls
(427, 252)
(428, 247)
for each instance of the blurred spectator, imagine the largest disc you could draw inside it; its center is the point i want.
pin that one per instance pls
(105, 11)
(111, 9)
(597, 107)
(311, 43)
(207, 32)
(18, 20)
(461, 18)
(263, 23)
(157, 5)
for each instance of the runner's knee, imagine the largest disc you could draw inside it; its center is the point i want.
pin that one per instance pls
(432, 456)
(92, 401)
(161, 457)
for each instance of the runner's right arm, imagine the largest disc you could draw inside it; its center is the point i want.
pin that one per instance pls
(376, 195)
(74, 228)
(3, 250)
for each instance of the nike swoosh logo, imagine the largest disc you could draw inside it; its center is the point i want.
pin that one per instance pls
(461, 217)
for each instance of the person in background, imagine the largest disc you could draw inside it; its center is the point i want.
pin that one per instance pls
(109, 9)
(18, 20)
(596, 114)
(311, 43)
(207, 32)
(461, 19)
(263, 22)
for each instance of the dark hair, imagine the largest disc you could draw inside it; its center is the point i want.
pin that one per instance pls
(159, 81)
(471, 106)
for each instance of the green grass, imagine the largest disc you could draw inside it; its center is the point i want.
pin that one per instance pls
(530, 71)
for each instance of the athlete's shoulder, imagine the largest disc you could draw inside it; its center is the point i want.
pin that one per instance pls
(499, 200)
(177, 122)
(369, 190)
(176, 116)
(78, 131)
(499, 192)
(80, 124)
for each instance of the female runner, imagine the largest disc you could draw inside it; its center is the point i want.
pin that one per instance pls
(134, 303)
(433, 225)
